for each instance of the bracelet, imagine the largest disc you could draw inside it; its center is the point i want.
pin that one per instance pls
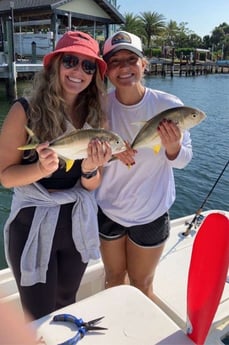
(89, 174)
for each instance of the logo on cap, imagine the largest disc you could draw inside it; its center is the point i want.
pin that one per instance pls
(121, 37)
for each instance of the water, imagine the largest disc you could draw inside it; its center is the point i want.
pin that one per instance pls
(210, 142)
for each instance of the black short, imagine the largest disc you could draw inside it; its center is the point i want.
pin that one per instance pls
(145, 235)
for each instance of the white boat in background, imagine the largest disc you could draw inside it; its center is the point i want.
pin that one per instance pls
(131, 318)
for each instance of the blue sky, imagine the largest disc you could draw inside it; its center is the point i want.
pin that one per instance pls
(201, 16)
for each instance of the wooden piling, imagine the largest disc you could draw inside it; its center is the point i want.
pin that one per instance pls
(11, 85)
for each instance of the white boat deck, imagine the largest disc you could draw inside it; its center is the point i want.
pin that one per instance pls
(131, 319)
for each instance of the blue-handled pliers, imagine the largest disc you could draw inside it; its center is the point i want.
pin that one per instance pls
(83, 327)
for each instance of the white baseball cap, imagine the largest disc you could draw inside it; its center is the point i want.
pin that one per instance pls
(122, 40)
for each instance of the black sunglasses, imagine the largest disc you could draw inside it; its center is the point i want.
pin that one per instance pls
(70, 61)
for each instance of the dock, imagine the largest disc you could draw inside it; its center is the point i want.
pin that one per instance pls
(9, 73)
(156, 67)
(21, 69)
(167, 67)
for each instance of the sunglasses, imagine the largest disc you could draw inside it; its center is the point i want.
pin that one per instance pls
(71, 61)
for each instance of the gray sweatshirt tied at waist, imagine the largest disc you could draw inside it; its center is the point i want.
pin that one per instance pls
(36, 253)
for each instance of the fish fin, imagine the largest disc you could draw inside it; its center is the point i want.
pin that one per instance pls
(140, 123)
(156, 148)
(32, 135)
(29, 131)
(87, 126)
(69, 164)
(113, 158)
(34, 140)
(65, 136)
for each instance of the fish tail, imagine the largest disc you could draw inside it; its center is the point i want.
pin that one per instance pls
(34, 140)
(27, 147)
(32, 135)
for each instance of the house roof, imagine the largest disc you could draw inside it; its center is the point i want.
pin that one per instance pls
(52, 5)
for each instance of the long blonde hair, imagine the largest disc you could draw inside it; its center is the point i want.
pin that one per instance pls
(47, 107)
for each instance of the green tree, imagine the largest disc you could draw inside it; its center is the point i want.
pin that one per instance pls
(132, 24)
(207, 42)
(182, 40)
(194, 41)
(153, 24)
(219, 41)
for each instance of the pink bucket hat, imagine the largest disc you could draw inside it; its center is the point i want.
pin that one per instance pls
(79, 43)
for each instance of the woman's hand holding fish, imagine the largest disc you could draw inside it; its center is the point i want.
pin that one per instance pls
(170, 135)
(98, 153)
(127, 156)
(48, 159)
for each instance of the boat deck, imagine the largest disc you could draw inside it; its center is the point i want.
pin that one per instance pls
(132, 318)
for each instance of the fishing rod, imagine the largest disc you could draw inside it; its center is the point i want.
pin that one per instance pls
(186, 233)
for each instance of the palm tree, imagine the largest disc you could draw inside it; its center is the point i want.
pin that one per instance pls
(132, 24)
(171, 32)
(153, 24)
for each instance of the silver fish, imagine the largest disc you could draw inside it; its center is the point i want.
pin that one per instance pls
(185, 118)
(74, 145)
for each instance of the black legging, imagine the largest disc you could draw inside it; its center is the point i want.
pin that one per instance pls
(65, 269)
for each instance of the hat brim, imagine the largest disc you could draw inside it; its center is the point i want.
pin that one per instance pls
(107, 56)
(77, 49)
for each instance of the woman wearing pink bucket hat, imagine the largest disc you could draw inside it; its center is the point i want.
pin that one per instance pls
(76, 42)
(49, 237)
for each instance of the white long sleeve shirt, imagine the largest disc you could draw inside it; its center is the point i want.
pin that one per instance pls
(142, 193)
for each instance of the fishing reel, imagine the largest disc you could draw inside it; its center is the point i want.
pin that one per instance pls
(196, 223)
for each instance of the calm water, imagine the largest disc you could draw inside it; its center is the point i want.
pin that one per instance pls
(210, 145)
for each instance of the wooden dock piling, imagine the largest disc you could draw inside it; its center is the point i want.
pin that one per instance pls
(11, 83)
(185, 68)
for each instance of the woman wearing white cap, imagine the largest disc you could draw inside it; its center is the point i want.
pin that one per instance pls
(51, 232)
(134, 202)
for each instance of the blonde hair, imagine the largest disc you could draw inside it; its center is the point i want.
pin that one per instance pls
(47, 107)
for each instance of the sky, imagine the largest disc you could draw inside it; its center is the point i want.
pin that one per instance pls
(201, 16)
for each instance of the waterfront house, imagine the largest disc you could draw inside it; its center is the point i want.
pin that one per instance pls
(41, 22)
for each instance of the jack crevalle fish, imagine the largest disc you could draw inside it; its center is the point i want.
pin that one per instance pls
(73, 146)
(184, 117)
